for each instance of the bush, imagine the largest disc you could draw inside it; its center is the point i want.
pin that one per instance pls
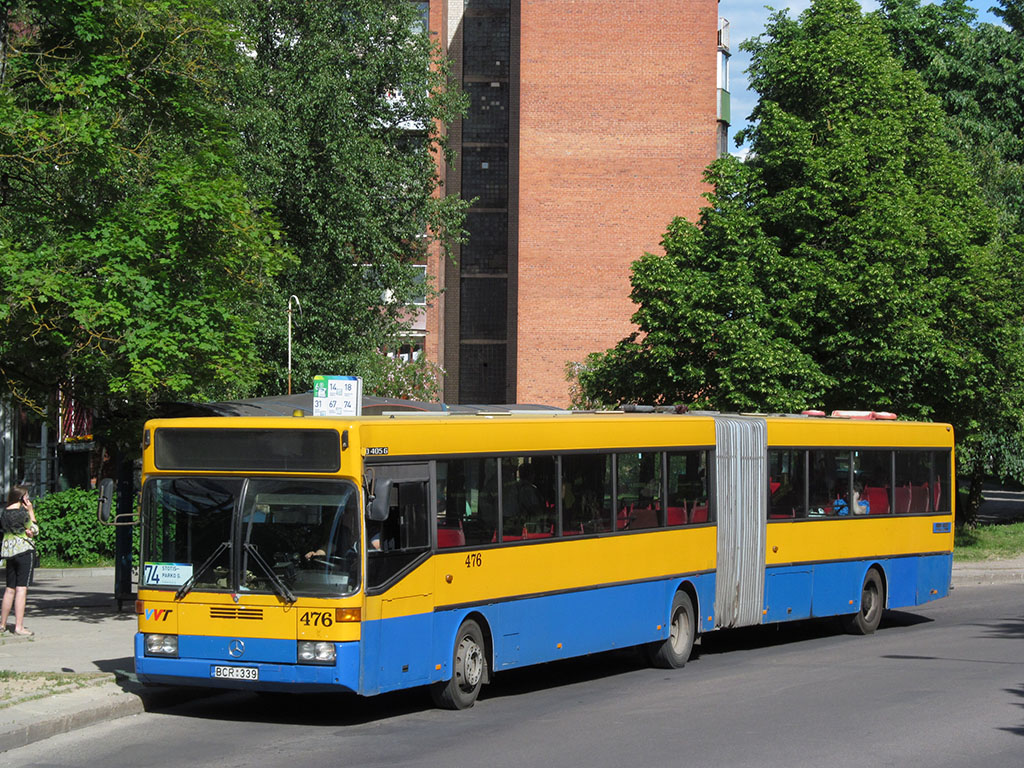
(69, 531)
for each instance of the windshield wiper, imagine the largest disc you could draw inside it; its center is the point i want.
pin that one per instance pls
(185, 588)
(275, 580)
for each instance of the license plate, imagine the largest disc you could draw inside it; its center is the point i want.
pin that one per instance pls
(236, 673)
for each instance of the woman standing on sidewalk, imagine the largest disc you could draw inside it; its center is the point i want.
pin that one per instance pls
(18, 550)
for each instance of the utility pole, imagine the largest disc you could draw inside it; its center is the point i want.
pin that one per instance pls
(291, 298)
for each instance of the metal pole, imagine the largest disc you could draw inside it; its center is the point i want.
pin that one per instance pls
(296, 299)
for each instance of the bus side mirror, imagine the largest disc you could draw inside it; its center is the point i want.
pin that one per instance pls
(106, 499)
(379, 501)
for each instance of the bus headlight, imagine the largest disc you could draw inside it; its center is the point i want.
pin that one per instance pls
(161, 645)
(316, 652)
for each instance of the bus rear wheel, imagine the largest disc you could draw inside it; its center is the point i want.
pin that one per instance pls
(872, 604)
(469, 668)
(674, 651)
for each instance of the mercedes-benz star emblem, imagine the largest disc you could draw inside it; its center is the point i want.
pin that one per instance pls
(236, 648)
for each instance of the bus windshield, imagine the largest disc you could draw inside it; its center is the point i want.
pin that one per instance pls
(264, 535)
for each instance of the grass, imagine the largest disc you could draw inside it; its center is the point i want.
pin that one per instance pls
(17, 687)
(989, 542)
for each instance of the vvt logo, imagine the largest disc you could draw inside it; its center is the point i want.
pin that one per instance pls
(158, 614)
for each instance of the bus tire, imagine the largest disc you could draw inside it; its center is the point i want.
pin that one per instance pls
(674, 651)
(872, 605)
(469, 670)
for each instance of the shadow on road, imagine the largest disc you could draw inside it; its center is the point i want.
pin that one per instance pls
(349, 710)
(116, 666)
(750, 638)
(313, 709)
(1019, 693)
(1004, 629)
(88, 608)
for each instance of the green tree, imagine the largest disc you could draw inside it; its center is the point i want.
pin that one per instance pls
(852, 262)
(342, 107)
(132, 262)
(977, 72)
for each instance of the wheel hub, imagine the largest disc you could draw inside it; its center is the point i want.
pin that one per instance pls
(471, 663)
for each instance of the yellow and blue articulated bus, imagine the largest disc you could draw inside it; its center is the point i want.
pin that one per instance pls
(378, 553)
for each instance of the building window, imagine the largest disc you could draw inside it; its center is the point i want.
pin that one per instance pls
(410, 348)
(419, 298)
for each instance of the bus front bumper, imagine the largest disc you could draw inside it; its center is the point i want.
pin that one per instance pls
(212, 671)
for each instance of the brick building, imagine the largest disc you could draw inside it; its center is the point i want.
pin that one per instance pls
(590, 125)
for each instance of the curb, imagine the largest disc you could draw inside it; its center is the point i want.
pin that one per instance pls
(979, 578)
(52, 715)
(33, 720)
(62, 573)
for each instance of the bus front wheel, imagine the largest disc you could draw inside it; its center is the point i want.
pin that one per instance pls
(872, 603)
(469, 668)
(674, 651)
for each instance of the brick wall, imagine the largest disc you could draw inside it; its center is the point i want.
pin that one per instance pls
(617, 122)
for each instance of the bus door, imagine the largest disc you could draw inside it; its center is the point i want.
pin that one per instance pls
(397, 549)
(741, 488)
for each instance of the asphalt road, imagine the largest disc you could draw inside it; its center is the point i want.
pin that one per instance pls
(939, 686)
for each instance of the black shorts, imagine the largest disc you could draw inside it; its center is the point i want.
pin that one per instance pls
(19, 569)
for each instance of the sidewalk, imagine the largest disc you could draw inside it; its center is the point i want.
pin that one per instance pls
(78, 629)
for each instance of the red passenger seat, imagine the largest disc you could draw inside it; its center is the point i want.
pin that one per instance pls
(450, 537)
(644, 518)
(877, 499)
(623, 518)
(901, 500)
(919, 498)
(677, 515)
(544, 532)
(699, 513)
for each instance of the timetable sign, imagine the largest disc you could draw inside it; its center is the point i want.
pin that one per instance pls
(337, 396)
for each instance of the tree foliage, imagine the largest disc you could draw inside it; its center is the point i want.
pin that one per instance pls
(977, 72)
(852, 262)
(132, 259)
(68, 530)
(342, 105)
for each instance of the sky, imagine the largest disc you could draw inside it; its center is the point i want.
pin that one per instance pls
(747, 19)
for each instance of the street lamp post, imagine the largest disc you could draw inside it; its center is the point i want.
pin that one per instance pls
(291, 298)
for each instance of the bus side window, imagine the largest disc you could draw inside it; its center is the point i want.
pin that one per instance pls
(913, 481)
(687, 500)
(873, 468)
(943, 482)
(586, 493)
(528, 501)
(468, 490)
(827, 481)
(786, 474)
(639, 489)
(404, 535)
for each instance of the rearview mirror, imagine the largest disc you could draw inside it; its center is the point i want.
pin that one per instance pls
(380, 501)
(106, 499)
